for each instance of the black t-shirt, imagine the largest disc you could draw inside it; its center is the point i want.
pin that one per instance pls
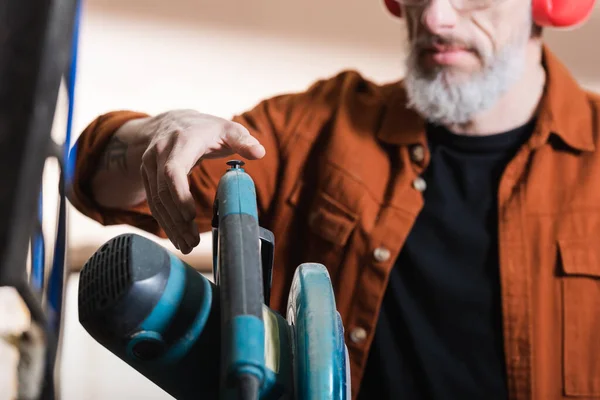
(439, 333)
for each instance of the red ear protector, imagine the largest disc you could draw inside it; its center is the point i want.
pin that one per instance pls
(552, 13)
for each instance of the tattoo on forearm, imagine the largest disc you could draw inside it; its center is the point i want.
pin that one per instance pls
(115, 155)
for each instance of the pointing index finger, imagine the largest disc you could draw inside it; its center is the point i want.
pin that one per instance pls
(239, 139)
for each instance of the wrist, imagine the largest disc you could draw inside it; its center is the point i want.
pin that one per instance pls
(134, 132)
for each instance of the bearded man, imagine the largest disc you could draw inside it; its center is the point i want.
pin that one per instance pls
(457, 210)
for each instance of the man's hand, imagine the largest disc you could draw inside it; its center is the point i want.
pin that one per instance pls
(179, 140)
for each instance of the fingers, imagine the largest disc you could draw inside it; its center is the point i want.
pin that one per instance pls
(175, 195)
(176, 179)
(169, 195)
(239, 139)
(152, 197)
(179, 142)
(176, 169)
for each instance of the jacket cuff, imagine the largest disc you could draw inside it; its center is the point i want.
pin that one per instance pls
(87, 151)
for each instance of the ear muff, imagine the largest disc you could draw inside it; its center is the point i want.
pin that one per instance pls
(552, 13)
(561, 13)
(394, 7)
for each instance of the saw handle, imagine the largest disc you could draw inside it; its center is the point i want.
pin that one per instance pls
(267, 254)
(238, 274)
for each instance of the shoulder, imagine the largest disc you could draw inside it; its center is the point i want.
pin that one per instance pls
(351, 86)
(346, 94)
(337, 89)
(593, 99)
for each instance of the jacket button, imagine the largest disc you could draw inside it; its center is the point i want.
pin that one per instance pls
(420, 184)
(381, 254)
(417, 153)
(357, 335)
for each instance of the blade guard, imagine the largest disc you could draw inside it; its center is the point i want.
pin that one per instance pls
(322, 367)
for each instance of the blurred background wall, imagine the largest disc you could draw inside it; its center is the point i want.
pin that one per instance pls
(222, 57)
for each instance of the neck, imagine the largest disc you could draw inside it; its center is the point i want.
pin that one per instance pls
(517, 106)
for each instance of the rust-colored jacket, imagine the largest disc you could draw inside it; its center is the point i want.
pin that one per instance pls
(340, 185)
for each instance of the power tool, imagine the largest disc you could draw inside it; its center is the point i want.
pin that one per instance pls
(198, 339)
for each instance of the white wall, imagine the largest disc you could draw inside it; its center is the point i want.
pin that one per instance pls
(222, 57)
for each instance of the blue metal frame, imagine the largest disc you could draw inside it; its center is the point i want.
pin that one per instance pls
(57, 274)
(67, 167)
(35, 56)
(55, 284)
(71, 80)
(38, 250)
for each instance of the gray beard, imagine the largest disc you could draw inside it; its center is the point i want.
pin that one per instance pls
(441, 102)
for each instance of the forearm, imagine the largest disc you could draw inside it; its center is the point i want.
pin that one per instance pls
(117, 182)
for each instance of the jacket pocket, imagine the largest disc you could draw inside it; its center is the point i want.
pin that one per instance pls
(329, 230)
(581, 316)
(330, 220)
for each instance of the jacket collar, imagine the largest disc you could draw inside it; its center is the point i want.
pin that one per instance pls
(565, 108)
(564, 111)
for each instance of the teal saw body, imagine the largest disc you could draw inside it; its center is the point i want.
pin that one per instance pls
(239, 277)
(199, 339)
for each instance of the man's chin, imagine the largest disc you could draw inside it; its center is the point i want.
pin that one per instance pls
(450, 75)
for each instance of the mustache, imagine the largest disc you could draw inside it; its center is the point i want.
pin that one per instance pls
(428, 42)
